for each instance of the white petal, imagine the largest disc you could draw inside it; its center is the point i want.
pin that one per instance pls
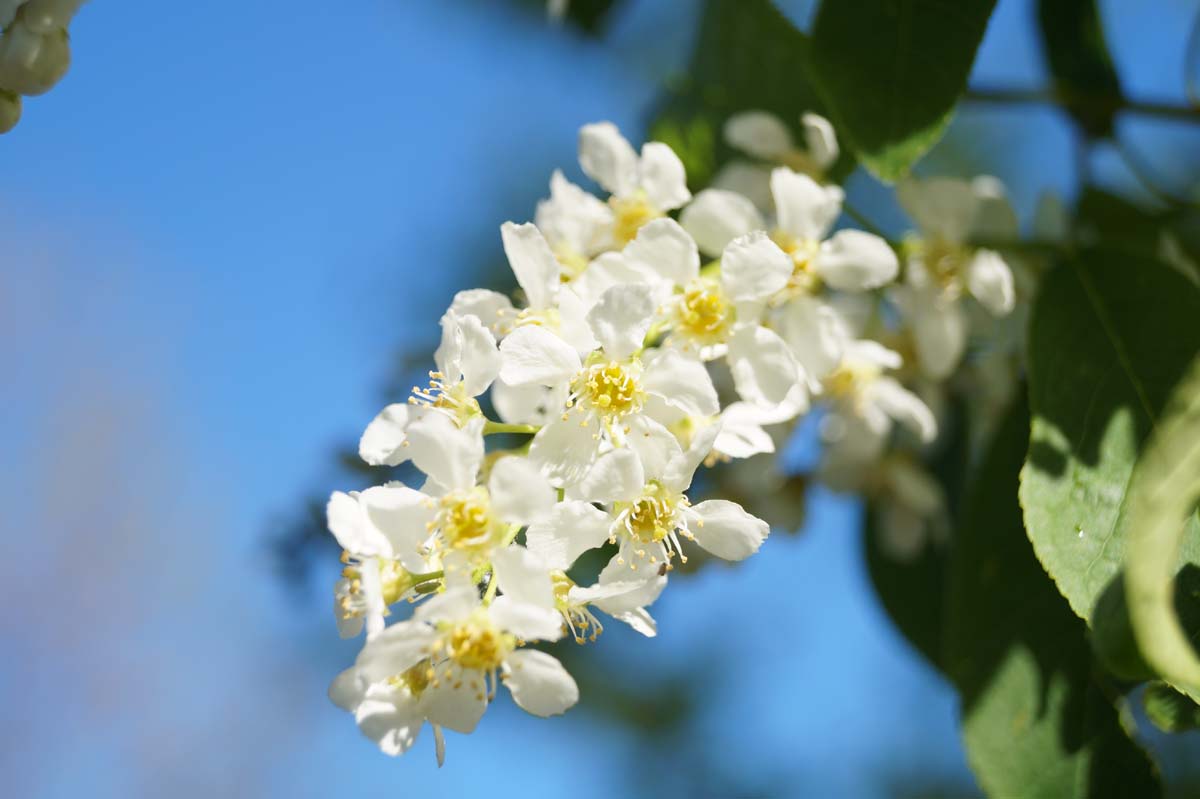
(394, 650)
(468, 353)
(764, 368)
(629, 565)
(457, 708)
(532, 262)
(571, 529)
(621, 319)
(640, 620)
(532, 354)
(565, 450)
(350, 526)
(519, 492)
(617, 476)
(382, 443)
(820, 140)
(487, 305)
(607, 158)
(450, 455)
(347, 689)
(990, 281)
(620, 597)
(681, 382)
(612, 269)
(741, 433)
(939, 330)
(678, 474)
(853, 260)
(401, 514)
(716, 217)
(760, 134)
(940, 206)
(655, 445)
(526, 620)
(663, 248)
(663, 177)
(753, 267)
(391, 719)
(752, 181)
(994, 215)
(459, 600)
(528, 404)
(814, 332)
(805, 208)
(539, 683)
(905, 407)
(727, 530)
(572, 325)
(572, 218)
(523, 576)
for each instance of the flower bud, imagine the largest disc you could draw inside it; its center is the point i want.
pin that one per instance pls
(31, 63)
(10, 110)
(45, 16)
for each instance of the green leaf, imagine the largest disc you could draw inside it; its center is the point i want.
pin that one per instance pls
(590, 16)
(1170, 710)
(1111, 334)
(1038, 718)
(1084, 77)
(891, 71)
(748, 56)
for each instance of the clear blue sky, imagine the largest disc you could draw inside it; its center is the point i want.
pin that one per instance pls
(215, 235)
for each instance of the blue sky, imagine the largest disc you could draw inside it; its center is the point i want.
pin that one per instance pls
(218, 232)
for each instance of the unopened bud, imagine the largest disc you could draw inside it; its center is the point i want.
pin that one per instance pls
(44, 16)
(10, 110)
(32, 63)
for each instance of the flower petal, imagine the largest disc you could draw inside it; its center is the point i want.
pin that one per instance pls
(571, 528)
(565, 449)
(990, 280)
(939, 329)
(805, 208)
(523, 576)
(681, 382)
(526, 620)
(450, 455)
(617, 476)
(752, 181)
(457, 701)
(764, 368)
(820, 140)
(607, 158)
(716, 217)
(539, 683)
(753, 267)
(853, 260)
(572, 218)
(621, 319)
(663, 177)
(382, 443)
(468, 353)
(654, 444)
(726, 530)
(520, 494)
(663, 248)
(760, 134)
(487, 305)
(532, 354)
(528, 404)
(391, 719)
(532, 262)
(942, 207)
(814, 332)
(350, 526)
(401, 514)
(677, 475)
(347, 689)
(394, 650)
(905, 407)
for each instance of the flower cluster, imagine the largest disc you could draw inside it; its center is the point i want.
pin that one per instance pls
(653, 333)
(34, 51)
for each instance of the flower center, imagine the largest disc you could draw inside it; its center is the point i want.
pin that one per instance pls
(451, 398)
(652, 516)
(849, 378)
(571, 262)
(610, 389)
(465, 518)
(416, 678)
(477, 644)
(629, 214)
(580, 622)
(703, 313)
(804, 279)
(944, 260)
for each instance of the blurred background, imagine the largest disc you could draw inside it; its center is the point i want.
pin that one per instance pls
(225, 242)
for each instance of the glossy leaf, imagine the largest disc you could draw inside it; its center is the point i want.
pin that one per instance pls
(1080, 64)
(1038, 716)
(891, 71)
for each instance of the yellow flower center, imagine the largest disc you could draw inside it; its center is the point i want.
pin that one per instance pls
(610, 389)
(629, 214)
(476, 643)
(578, 619)
(416, 679)
(849, 378)
(452, 398)
(804, 279)
(571, 263)
(945, 261)
(652, 516)
(465, 518)
(704, 314)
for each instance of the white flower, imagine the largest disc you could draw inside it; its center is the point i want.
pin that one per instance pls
(392, 712)
(859, 390)
(615, 390)
(577, 226)
(942, 265)
(465, 646)
(467, 363)
(647, 512)
(643, 187)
